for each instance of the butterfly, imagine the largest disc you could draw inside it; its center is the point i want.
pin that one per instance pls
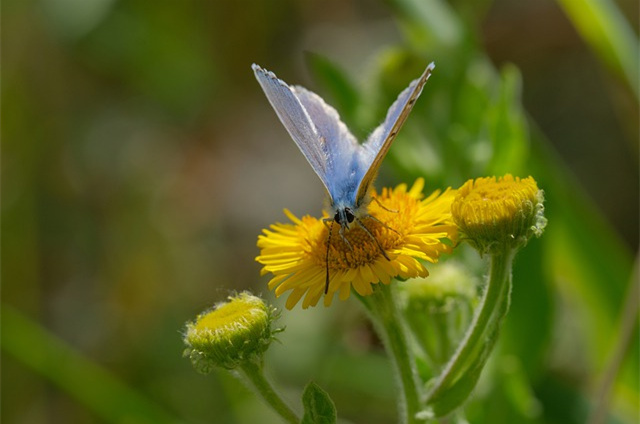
(345, 167)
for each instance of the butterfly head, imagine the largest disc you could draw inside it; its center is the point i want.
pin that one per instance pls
(344, 217)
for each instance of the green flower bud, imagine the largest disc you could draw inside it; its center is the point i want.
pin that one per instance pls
(230, 334)
(439, 308)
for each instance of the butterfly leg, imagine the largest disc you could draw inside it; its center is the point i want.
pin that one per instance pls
(366, 230)
(330, 226)
(344, 239)
(383, 224)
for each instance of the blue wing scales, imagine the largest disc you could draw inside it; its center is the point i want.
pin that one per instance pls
(296, 120)
(317, 130)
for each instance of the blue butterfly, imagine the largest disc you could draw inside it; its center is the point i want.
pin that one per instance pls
(345, 167)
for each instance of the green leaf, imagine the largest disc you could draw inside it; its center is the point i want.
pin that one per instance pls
(507, 396)
(507, 127)
(428, 22)
(101, 392)
(461, 375)
(603, 26)
(318, 406)
(528, 327)
(582, 250)
(458, 393)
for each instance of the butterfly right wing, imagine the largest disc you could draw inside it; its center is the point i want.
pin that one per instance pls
(377, 145)
(297, 122)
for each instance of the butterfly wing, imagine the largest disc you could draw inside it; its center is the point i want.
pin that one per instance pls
(377, 145)
(341, 146)
(314, 126)
(295, 119)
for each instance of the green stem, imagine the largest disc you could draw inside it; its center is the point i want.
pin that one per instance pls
(441, 326)
(382, 306)
(493, 307)
(424, 335)
(253, 372)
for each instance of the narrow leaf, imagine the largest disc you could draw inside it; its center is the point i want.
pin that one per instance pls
(318, 406)
(603, 26)
(101, 392)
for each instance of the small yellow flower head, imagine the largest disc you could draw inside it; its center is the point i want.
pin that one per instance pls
(496, 213)
(407, 227)
(230, 333)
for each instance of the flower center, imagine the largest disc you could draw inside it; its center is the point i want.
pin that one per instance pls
(490, 201)
(239, 310)
(356, 246)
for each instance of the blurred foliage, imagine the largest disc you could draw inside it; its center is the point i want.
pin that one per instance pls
(140, 162)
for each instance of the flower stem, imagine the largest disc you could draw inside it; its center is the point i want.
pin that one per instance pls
(484, 327)
(441, 327)
(381, 304)
(253, 372)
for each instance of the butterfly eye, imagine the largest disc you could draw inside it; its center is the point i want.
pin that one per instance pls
(350, 216)
(344, 216)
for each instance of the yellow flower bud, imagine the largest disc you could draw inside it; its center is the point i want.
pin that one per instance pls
(499, 212)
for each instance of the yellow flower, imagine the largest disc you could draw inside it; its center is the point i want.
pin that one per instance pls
(497, 212)
(406, 226)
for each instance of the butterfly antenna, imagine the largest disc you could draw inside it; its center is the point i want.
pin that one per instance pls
(375, 199)
(326, 285)
(366, 230)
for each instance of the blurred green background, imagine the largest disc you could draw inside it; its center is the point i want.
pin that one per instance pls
(141, 160)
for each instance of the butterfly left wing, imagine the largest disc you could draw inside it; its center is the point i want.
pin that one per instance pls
(317, 130)
(339, 144)
(377, 145)
(296, 121)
